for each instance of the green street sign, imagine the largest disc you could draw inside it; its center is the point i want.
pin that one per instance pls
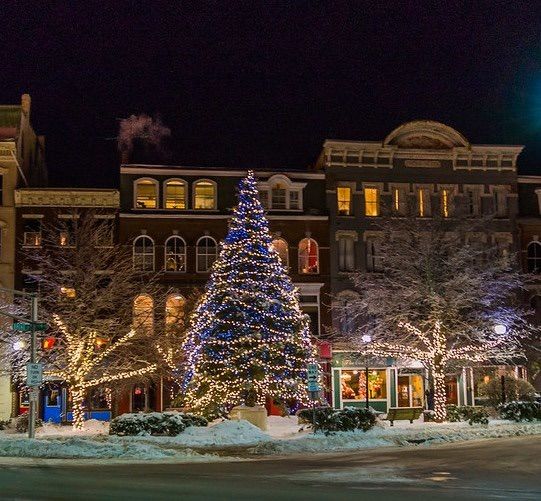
(27, 327)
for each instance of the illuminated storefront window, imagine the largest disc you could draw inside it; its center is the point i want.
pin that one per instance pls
(353, 384)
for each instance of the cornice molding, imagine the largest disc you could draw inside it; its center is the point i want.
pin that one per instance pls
(109, 199)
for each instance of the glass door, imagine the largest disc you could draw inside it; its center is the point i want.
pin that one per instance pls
(404, 391)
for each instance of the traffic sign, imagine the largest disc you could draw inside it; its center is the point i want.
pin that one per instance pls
(313, 386)
(27, 326)
(313, 372)
(34, 374)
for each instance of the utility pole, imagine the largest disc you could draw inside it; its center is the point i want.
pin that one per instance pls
(34, 390)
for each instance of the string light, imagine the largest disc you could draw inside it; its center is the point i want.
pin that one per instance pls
(248, 330)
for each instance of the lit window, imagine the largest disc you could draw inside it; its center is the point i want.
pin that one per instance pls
(175, 194)
(354, 384)
(143, 253)
(204, 195)
(175, 254)
(67, 233)
(281, 247)
(68, 292)
(143, 314)
(32, 232)
(278, 197)
(396, 200)
(423, 202)
(343, 195)
(308, 256)
(207, 252)
(346, 253)
(534, 257)
(445, 202)
(371, 202)
(174, 311)
(146, 194)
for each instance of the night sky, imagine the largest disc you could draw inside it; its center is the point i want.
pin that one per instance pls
(262, 84)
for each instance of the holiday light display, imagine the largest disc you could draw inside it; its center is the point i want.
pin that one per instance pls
(248, 332)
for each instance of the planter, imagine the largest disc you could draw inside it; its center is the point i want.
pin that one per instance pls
(256, 415)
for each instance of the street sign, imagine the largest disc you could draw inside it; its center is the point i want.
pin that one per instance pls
(34, 374)
(313, 378)
(313, 386)
(27, 327)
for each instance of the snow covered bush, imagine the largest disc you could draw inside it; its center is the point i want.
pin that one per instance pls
(21, 423)
(473, 415)
(329, 420)
(154, 423)
(515, 390)
(4, 424)
(520, 411)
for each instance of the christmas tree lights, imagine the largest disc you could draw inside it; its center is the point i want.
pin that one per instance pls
(247, 332)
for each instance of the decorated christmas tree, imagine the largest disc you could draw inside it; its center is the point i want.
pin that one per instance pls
(248, 336)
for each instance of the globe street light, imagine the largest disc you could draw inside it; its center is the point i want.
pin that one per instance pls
(19, 345)
(500, 329)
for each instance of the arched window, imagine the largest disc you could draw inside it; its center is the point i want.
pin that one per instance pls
(204, 195)
(143, 253)
(143, 314)
(146, 194)
(282, 248)
(174, 312)
(534, 257)
(308, 256)
(175, 254)
(175, 194)
(207, 252)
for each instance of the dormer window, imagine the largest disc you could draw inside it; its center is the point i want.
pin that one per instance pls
(280, 193)
(175, 194)
(204, 195)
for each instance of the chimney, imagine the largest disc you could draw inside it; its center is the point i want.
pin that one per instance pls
(25, 104)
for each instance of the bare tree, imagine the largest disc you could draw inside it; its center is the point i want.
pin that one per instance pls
(438, 292)
(97, 334)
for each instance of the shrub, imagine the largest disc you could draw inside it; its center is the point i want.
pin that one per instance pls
(21, 423)
(515, 390)
(520, 411)
(154, 423)
(4, 424)
(329, 420)
(473, 415)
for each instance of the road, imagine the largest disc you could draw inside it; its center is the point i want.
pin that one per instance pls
(508, 468)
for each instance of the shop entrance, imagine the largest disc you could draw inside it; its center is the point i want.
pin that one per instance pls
(451, 390)
(410, 390)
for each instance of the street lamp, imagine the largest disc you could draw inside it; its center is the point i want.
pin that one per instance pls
(366, 338)
(19, 345)
(500, 329)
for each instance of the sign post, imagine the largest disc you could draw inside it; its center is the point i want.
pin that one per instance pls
(37, 370)
(313, 388)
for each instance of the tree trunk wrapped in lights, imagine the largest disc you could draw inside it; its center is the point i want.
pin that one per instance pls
(437, 300)
(248, 333)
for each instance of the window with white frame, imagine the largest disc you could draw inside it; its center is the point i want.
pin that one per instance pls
(143, 253)
(281, 247)
(280, 193)
(308, 256)
(343, 199)
(534, 257)
(371, 201)
(204, 195)
(346, 252)
(175, 254)
(146, 194)
(206, 254)
(175, 194)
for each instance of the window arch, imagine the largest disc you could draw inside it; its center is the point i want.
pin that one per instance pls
(534, 257)
(175, 305)
(204, 194)
(207, 252)
(146, 193)
(308, 256)
(281, 247)
(175, 194)
(175, 254)
(143, 253)
(143, 314)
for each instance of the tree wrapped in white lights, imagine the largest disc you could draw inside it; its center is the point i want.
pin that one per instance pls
(87, 285)
(248, 333)
(440, 291)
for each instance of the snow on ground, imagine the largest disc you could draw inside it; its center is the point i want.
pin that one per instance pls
(226, 437)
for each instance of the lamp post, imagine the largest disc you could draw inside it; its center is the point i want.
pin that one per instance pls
(366, 338)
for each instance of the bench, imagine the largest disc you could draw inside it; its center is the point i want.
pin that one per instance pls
(403, 414)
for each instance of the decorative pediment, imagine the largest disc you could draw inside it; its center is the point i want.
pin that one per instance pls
(425, 135)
